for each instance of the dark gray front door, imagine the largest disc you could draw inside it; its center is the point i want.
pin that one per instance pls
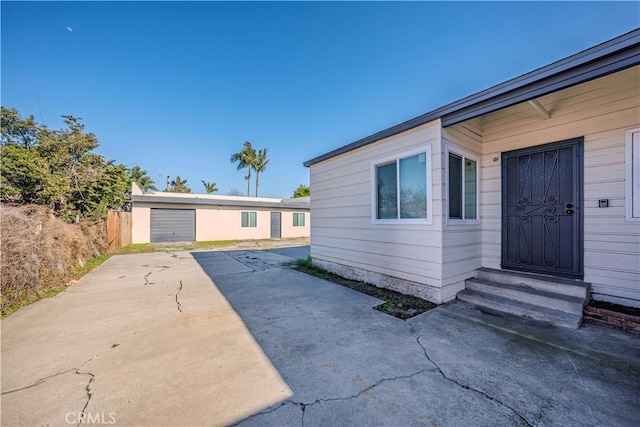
(173, 225)
(276, 232)
(542, 209)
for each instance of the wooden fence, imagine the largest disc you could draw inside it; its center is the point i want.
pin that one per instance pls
(118, 229)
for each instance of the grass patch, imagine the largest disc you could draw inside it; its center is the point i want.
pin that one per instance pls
(306, 263)
(90, 265)
(141, 248)
(395, 303)
(18, 301)
(213, 244)
(137, 248)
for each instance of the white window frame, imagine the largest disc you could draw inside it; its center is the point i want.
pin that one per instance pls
(453, 149)
(425, 149)
(304, 219)
(632, 161)
(249, 219)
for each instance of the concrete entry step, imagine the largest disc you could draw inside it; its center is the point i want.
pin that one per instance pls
(567, 304)
(521, 309)
(556, 285)
(550, 299)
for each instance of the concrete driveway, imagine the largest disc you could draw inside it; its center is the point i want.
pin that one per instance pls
(219, 338)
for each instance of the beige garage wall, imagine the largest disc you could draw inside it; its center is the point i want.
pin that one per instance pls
(221, 223)
(140, 225)
(289, 231)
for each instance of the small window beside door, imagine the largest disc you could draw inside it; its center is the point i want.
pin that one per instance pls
(463, 188)
(298, 219)
(249, 219)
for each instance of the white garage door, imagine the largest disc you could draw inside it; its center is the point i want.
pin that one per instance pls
(173, 225)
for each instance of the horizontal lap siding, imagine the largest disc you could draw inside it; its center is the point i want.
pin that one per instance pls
(342, 230)
(601, 111)
(462, 243)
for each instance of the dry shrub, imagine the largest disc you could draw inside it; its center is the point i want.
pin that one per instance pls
(41, 251)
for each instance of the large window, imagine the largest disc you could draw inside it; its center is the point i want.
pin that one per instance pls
(298, 219)
(463, 188)
(401, 188)
(633, 175)
(249, 219)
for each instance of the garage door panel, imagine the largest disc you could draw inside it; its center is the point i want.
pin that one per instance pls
(173, 225)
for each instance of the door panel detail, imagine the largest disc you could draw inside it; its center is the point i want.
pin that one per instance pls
(541, 209)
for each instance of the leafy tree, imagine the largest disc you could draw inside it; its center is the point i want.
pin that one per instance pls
(139, 176)
(24, 177)
(302, 191)
(178, 185)
(260, 165)
(246, 158)
(209, 187)
(57, 168)
(109, 188)
(18, 131)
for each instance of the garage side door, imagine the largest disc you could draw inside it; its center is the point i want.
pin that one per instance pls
(173, 225)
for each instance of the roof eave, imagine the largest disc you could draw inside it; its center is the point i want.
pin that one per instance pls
(233, 203)
(601, 67)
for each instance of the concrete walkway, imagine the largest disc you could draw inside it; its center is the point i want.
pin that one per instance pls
(232, 337)
(142, 340)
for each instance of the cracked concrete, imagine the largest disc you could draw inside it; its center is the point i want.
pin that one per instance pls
(146, 279)
(44, 380)
(349, 364)
(111, 347)
(546, 375)
(466, 387)
(83, 413)
(178, 305)
(243, 340)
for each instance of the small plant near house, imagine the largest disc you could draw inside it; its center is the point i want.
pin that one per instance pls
(307, 263)
(395, 303)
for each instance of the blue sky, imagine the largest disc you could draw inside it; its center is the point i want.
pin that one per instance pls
(178, 87)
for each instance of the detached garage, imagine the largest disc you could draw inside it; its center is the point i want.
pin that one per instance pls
(177, 217)
(173, 225)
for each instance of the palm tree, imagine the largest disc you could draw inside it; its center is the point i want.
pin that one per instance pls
(209, 187)
(179, 185)
(245, 159)
(260, 165)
